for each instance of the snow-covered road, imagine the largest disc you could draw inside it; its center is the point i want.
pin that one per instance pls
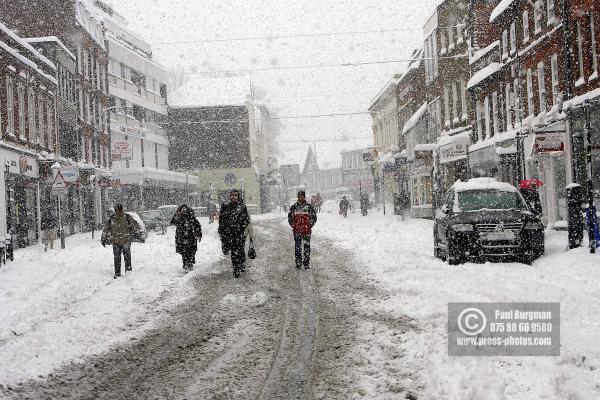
(368, 321)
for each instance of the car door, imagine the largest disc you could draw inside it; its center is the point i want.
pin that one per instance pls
(443, 220)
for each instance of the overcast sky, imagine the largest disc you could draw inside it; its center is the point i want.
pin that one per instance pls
(292, 92)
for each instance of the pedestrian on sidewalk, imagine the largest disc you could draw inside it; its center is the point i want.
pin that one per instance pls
(120, 230)
(302, 217)
(233, 221)
(188, 233)
(48, 225)
(344, 206)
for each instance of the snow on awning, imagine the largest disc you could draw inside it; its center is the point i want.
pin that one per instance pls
(414, 119)
(483, 74)
(500, 9)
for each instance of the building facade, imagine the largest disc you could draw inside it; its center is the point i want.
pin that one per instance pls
(28, 127)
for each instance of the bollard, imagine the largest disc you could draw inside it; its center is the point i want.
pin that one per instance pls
(575, 216)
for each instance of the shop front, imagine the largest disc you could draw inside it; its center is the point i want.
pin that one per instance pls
(21, 197)
(421, 182)
(548, 164)
(451, 160)
(496, 159)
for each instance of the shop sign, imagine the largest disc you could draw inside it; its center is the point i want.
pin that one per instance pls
(548, 142)
(452, 152)
(484, 155)
(120, 150)
(70, 174)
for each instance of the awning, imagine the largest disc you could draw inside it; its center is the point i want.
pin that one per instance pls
(454, 148)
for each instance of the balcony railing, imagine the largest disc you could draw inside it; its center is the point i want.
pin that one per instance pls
(130, 87)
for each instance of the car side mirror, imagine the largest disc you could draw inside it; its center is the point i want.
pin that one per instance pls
(444, 208)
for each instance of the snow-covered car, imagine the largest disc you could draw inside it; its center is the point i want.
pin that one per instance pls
(151, 218)
(486, 219)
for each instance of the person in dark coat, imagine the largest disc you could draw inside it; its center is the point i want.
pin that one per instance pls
(188, 233)
(344, 206)
(49, 226)
(233, 221)
(302, 217)
(532, 197)
(120, 230)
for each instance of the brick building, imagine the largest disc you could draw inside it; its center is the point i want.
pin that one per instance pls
(28, 126)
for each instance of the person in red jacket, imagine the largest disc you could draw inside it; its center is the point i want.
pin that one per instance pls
(302, 217)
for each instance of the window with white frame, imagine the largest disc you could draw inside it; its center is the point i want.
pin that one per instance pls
(450, 38)
(463, 98)
(513, 38)
(40, 117)
(10, 105)
(495, 116)
(479, 120)
(486, 113)
(525, 26)
(31, 115)
(50, 115)
(507, 102)
(21, 105)
(537, 16)
(554, 70)
(446, 107)
(541, 87)
(517, 100)
(580, 55)
(505, 44)
(530, 105)
(80, 95)
(456, 118)
(550, 11)
(460, 31)
(443, 48)
(594, 50)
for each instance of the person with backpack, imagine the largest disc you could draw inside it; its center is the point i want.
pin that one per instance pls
(188, 233)
(120, 230)
(302, 217)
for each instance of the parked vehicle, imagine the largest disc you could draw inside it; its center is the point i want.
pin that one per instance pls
(152, 218)
(486, 219)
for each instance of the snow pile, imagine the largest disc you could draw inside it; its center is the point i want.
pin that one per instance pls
(64, 304)
(399, 255)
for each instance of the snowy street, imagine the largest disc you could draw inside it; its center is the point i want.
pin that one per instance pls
(367, 321)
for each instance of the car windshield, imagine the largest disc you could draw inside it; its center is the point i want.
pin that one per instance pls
(489, 199)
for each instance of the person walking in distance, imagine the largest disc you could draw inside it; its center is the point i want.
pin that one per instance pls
(188, 233)
(344, 205)
(302, 217)
(48, 225)
(233, 221)
(120, 230)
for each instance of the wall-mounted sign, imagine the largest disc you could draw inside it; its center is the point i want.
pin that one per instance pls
(70, 174)
(120, 150)
(548, 142)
